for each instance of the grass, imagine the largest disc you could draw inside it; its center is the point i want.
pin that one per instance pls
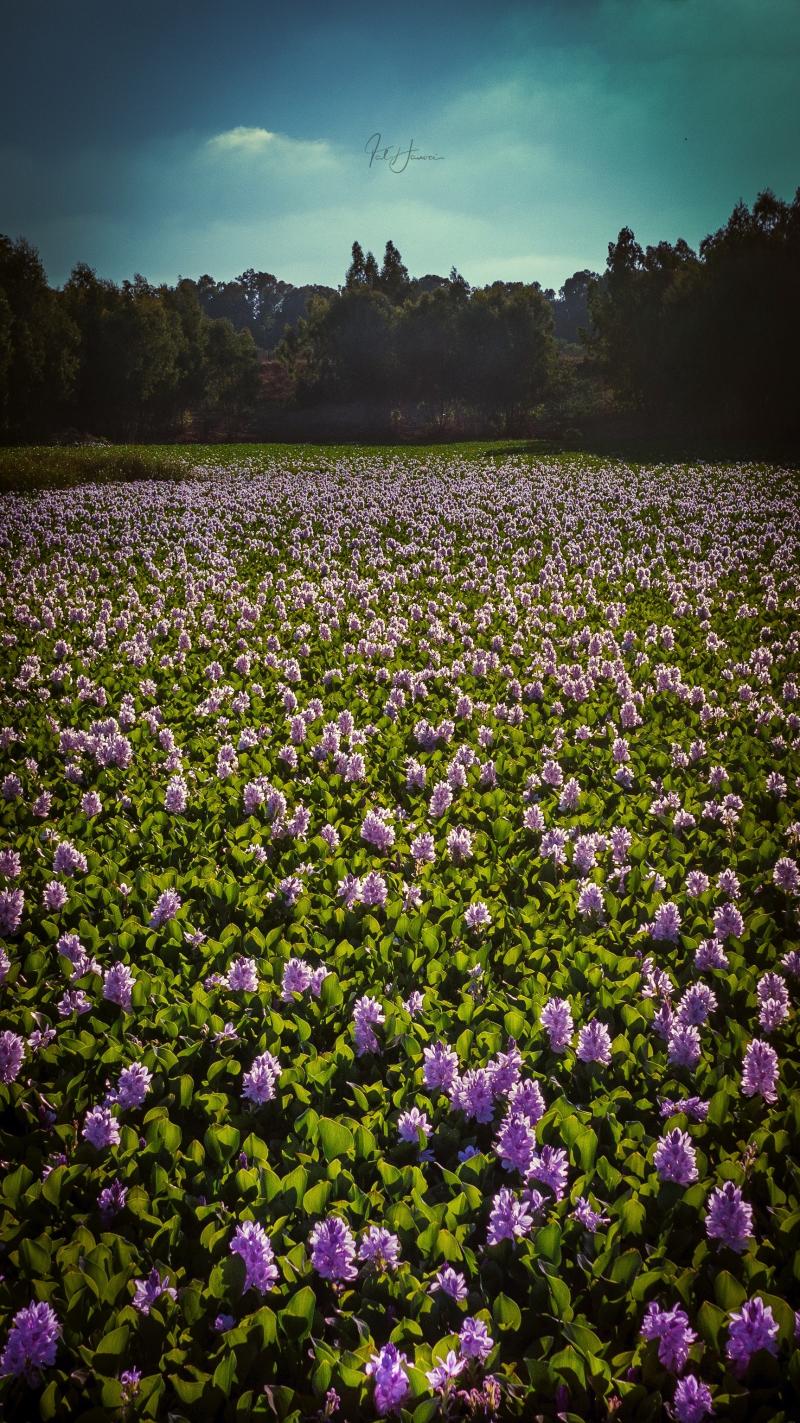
(28, 467)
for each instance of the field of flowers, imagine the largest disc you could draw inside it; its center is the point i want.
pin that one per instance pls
(400, 943)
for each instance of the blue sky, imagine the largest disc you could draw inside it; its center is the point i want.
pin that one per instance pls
(177, 138)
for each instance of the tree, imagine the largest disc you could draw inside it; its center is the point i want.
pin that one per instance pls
(430, 355)
(38, 345)
(355, 274)
(393, 280)
(232, 376)
(507, 341)
(344, 349)
(571, 306)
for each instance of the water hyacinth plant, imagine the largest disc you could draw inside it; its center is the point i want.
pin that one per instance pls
(400, 943)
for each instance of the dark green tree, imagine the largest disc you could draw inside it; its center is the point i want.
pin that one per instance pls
(393, 279)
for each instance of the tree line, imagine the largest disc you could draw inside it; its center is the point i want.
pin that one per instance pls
(666, 336)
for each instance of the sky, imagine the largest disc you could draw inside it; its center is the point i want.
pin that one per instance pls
(175, 138)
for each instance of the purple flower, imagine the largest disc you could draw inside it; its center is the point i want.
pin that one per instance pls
(133, 1086)
(683, 1045)
(12, 903)
(423, 848)
(441, 1376)
(666, 923)
(694, 1107)
(728, 923)
(253, 1244)
(516, 1144)
(459, 845)
(472, 1094)
(675, 1158)
(556, 1019)
(551, 1167)
(176, 797)
(297, 977)
(32, 1342)
(10, 864)
(100, 1128)
(73, 1001)
(751, 1329)
(474, 1339)
(166, 907)
(589, 1218)
(441, 799)
(111, 1199)
(242, 976)
(69, 861)
(591, 901)
(411, 1123)
(729, 1218)
(692, 1400)
(505, 1069)
(373, 890)
(760, 1071)
(477, 916)
(451, 1283)
(440, 1066)
(376, 831)
(379, 1248)
(696, 1004)
(366, 1013)
(594, 1043)
(671, 1328)
(509, 1219)
(146, 1292)
(525, 1099)
(55, 895)
(259, 1082)
(349, 890)
(786, 876)
(12, 1051)
(333, 1250)
(130, 1380)
(317, 979)
(118, 984)
(387, 1370)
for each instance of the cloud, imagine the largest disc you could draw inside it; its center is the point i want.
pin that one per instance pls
(241, 140)
(279, 148)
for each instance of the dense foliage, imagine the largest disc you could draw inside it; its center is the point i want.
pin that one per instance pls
(695, 344)
(708, 337)
(399, 944)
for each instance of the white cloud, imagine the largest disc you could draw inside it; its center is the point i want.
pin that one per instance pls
(261, 143)
(241, 140)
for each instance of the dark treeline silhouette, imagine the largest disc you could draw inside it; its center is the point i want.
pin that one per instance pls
(699, 344)
(708, 339)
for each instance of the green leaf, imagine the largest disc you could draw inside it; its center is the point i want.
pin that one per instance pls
(221, 1142)
(710, 1323)
(506, 1313)
(115, 1342)
(335, 1139)
(297, 1317)
(189, 1390)
(632, 1216)
(225, 1374)
(331, 993)
(36, 1256)
(728, 1293)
